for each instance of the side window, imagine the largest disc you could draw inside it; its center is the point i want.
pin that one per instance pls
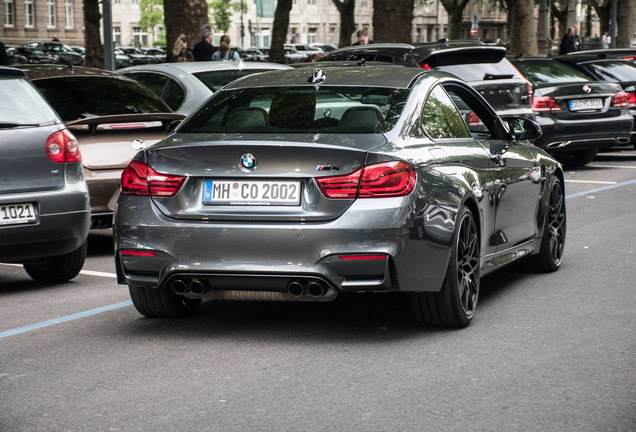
(173, 95)
(482, 123)
(154, 82)
(440, 118)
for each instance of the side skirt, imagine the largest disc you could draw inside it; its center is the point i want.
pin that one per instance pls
(492, 262)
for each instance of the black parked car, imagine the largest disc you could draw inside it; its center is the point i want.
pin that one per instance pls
(21, 55)
(611, 70)
(482, 66)
(65, 53)
(577, 113)
(138, 56)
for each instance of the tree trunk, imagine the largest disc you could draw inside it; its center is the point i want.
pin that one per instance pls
(562, 16)
(347, 21)
(279, 31)
(625, 22)
(455, 10)
(523, 31)
(603, 9)
(92, 35)
(184, 16)
(392, 20)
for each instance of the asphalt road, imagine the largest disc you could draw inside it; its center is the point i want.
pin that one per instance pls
(546, 352)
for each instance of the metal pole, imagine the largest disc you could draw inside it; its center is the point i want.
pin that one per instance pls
(109, 51)
(242, 27)
(613, 25)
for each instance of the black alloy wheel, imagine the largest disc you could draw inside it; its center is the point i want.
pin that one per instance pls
(550, 256)
(455, 304)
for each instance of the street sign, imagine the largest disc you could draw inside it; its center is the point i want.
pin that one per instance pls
(473, 31)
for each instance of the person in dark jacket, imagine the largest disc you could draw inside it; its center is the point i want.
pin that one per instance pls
(363, 38)
(4, 57)
(570, 42)
(204, 49)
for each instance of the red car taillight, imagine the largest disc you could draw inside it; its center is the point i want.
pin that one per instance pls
(473, 120)
(384, 180)
(629, 58)
(140, 179)
(540, 103)
(620, 99)
(424, 66)
(62, 147)
(631, 99)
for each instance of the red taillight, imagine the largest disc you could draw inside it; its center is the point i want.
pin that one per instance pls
(362, 257)
(62, 147)
(540, 103)
(424, 66)
(140, 179)
(620, 99)
(631, 99)
(529, 87)
(389, 179)
(630, 58)
(473, 120)
(138, 253)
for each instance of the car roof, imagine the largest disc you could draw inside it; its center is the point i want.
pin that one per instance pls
(194, 67)
(35, 72)
(11, 72)
(336, 76)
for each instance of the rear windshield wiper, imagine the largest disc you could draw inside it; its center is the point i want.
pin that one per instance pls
(4, 125)
(494, 77)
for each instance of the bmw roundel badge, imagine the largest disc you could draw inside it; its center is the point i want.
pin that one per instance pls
(248, 161)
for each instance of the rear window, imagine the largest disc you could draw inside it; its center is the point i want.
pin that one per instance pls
(618, 70)
(82, 97)
(549, 72)
(22, 104)
(215, 80)
(483, 71)
(299, 110)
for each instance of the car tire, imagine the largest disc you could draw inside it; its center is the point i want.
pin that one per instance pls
(61, 268)
(162, 303)
(550, 255)
(455, 304)
(577, 158)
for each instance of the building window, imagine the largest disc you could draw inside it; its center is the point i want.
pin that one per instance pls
(134, 1)
(29, 11)
(311, 38)
(332, 35)
(50, 13)
(363, 3)
(117, 35)
(70, 19)
(311, 2)
(117, 2)
(9, 18)
(140, 37)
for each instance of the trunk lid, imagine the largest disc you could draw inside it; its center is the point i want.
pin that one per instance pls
(293, 162)
(564, 94)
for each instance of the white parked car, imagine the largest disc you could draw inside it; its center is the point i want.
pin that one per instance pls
(185, 86)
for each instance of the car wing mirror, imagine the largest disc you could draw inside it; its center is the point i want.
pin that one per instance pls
(519, 128)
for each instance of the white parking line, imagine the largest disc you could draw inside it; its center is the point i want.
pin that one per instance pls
(84, 272)
(612, 166)
(590, 181)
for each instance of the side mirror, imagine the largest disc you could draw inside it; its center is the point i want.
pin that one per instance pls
(519, 128)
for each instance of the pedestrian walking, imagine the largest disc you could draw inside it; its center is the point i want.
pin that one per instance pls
(225, 52)
(606, 40)
(4, 57)
(570, 42)
(180, 51)
(363, 38)
(204, 49)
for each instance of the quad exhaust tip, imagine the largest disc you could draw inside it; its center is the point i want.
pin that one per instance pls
(179, 287)
(295, 289)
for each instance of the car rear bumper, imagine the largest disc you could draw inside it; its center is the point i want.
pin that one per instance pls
(567, 136)
(62, 225)
(268, 256)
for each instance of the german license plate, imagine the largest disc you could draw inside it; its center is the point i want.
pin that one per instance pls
(11, 214)
(251, 192)
(586, 104)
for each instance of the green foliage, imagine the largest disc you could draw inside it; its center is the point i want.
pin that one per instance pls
(222, 12)
(151, 13)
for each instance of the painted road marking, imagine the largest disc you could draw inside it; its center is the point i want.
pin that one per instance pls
(611, 166)
(601, 189)
(589, 181)
(64, 319)
(84, 272)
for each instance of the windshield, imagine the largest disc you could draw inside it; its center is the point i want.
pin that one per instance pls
(299, 110)
(214, 80)
(549, 72)
(22, 104)
(617, 70)
(82, 97)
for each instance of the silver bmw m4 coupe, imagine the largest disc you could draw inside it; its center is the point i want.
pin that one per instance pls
(302, 185)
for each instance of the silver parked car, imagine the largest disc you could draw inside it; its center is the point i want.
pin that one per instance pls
(272, 191)
(44, 207)
(185, 86)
